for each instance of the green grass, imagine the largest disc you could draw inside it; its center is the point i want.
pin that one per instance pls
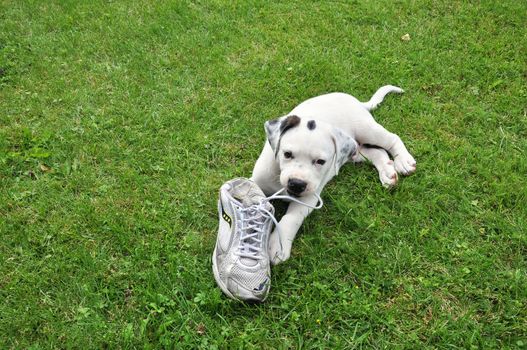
(120, 120)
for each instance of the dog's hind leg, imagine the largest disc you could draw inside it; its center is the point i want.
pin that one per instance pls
(381, 161)
(374, 134)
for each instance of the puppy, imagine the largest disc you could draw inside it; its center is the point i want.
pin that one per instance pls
(307, 147)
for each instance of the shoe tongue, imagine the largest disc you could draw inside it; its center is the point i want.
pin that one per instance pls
(247, 193)
(258, 217)
(249, 262)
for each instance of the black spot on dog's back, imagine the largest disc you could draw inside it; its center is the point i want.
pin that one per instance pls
(311, 125)
(367, 145)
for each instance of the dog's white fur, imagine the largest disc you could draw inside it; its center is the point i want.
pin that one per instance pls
(331, 129)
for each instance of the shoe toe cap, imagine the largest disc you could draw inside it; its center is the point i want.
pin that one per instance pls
(257, 294)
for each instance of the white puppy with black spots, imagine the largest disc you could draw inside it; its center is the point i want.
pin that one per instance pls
(307, 147)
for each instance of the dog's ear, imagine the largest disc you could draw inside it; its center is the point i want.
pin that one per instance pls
(277, 127)
(272, 129)
(345, 148)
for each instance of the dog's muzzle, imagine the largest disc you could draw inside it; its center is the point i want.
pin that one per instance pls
(296, 186)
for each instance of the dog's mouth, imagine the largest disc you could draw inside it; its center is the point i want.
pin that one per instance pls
(293, 194)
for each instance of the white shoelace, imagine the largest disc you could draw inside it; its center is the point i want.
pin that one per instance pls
(254, 220)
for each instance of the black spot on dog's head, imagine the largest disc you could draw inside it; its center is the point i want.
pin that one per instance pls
(288, 123)
(311, 125)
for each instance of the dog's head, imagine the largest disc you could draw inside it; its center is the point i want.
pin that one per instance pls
(309, 152)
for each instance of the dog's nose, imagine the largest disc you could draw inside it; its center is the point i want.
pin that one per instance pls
(296, 186)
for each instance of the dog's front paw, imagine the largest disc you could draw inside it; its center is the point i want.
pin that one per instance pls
(388, 175)
(277, 253)
(405, 164)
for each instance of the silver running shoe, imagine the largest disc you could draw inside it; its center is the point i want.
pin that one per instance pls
(240, 261)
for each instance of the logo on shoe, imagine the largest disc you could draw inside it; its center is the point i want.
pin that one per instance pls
(225, 216)
(262, 285)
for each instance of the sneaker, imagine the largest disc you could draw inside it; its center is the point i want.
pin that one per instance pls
(240, 261)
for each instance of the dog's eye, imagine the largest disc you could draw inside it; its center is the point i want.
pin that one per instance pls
(288, 155)
(321, 161)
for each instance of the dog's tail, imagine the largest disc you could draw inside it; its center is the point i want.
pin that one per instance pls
(378, 96)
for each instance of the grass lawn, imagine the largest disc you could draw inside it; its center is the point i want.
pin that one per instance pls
(120, 120)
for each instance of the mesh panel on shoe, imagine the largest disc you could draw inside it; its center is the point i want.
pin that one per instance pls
(228, 260)
(251, 280)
